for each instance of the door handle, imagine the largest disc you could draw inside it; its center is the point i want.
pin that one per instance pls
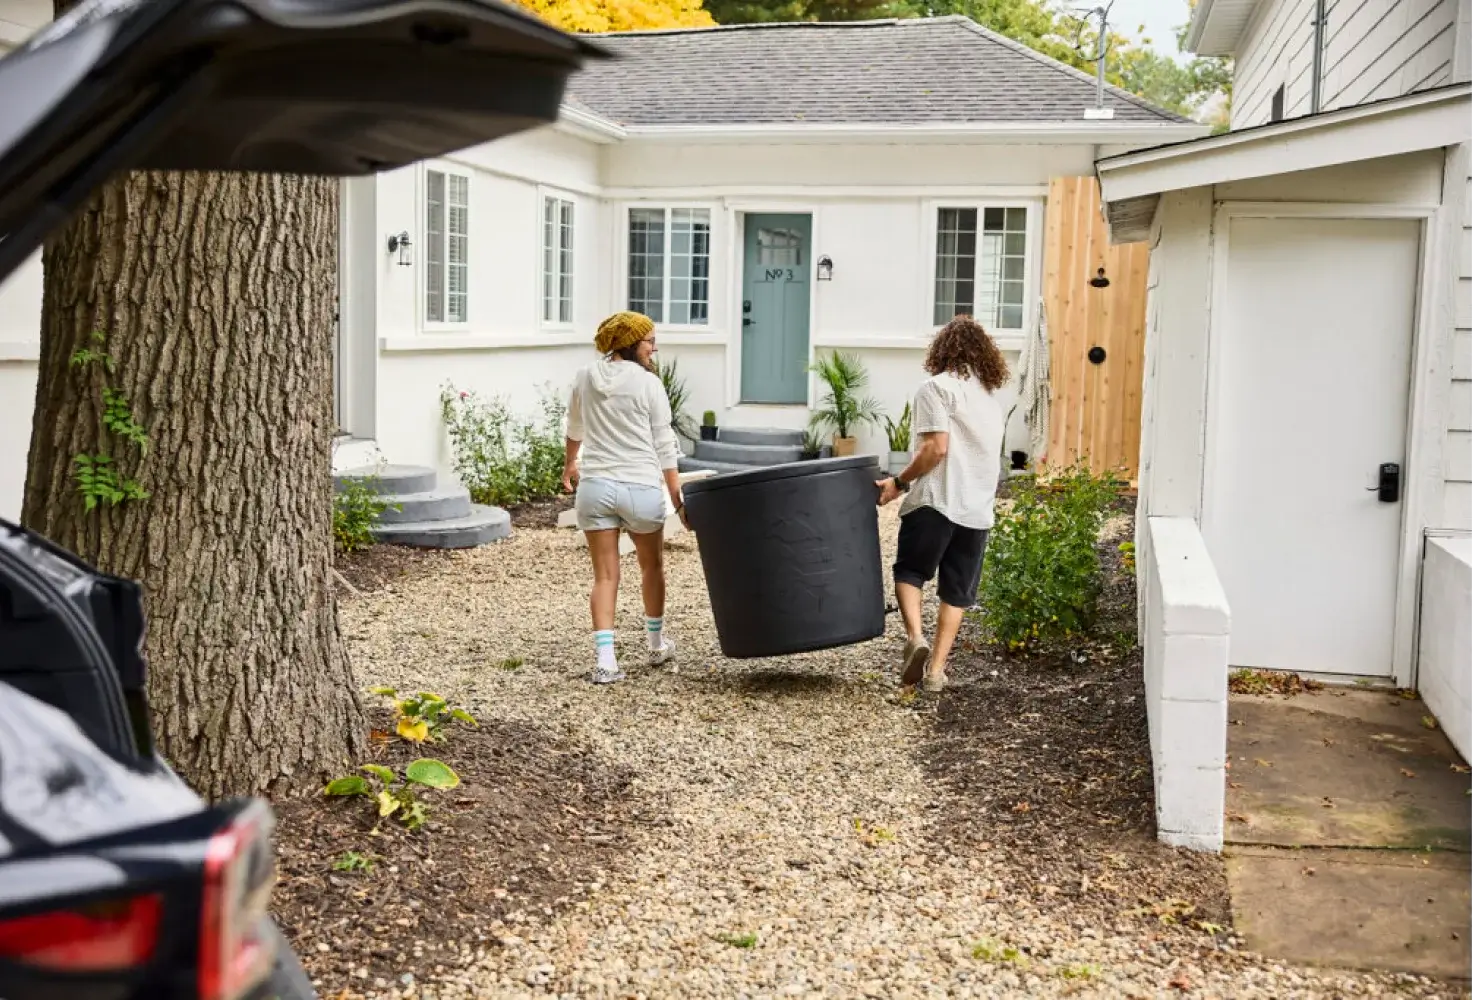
(747, 321)
(1388, 488)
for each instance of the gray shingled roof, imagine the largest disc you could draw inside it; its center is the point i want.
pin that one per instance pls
(916, 71)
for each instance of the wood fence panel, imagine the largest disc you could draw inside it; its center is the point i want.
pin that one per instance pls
(1095, 415)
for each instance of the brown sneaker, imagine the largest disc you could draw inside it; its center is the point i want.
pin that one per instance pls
(916, 655)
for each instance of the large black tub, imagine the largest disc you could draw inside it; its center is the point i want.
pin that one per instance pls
(790, 555)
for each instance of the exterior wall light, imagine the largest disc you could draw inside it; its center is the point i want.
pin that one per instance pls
(824, 268)
(400, 244)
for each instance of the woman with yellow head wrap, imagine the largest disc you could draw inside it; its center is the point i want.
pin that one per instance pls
(620, 454)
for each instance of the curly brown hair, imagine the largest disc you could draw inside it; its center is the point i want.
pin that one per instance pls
(965, 348)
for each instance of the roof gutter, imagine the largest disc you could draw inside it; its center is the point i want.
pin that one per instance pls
(585, 125)
(1201, 14)
(1425, 120)
(1095, 132)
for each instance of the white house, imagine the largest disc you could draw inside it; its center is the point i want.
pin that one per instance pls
(706, 177)
(1305, 492)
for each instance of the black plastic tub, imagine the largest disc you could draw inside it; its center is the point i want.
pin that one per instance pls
(790, 555)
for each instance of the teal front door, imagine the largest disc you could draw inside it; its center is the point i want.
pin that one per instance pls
(775, 331)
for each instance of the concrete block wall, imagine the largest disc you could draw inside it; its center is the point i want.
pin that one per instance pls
(1445, 655)
(1187, 629)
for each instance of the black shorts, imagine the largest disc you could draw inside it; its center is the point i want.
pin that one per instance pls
(930, 541)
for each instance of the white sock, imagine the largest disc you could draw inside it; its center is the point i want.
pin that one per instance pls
(606, 649)
(654, 634)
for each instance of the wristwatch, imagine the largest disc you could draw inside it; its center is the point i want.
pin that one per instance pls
(900, 485)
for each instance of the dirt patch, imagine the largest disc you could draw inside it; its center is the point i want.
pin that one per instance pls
(539, 513)
(535, 821)
(379, 566)
(1046, 762)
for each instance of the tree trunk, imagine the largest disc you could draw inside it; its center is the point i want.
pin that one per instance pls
(215, 295)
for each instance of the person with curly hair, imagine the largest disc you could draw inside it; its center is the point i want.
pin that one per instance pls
(949, 490)
(620, 454)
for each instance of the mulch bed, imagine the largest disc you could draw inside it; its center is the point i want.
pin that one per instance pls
(378, 566)
(539, 513)
(1046, 761)
(533, 822)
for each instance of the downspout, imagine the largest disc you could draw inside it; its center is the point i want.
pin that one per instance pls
(1318, 62)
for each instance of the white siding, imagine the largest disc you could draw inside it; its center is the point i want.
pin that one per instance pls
(1374, 49)
(1458, 490)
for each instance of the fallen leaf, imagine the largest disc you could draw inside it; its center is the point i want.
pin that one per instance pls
(1022, 807)
(1308, 871)
(1234, 784)
(1261, 762)
(1459, 768)
(1429, 722)
(1407, 774)
(1328, 741)
(1237, 818)
(1180, 983)
(1328, 803)
(1407, 693)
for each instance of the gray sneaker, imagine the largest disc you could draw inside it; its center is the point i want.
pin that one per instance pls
(916, 656)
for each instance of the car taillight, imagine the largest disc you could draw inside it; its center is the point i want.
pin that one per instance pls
(236, 947)
(98, 937)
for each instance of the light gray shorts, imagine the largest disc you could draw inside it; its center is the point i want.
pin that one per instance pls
(603, 504)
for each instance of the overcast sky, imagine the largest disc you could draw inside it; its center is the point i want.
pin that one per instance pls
(1160, 17)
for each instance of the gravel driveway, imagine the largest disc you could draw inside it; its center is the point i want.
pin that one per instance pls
(794, 856)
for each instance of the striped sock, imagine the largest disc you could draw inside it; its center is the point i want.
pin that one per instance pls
(605, 647)
(654, 634)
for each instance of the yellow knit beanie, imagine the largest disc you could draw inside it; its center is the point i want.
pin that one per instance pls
(622, 330)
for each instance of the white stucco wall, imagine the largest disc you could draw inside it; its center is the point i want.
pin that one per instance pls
(1186, 653)
(1445, 668)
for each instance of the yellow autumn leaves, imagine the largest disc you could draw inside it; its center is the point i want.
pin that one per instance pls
(589, 16)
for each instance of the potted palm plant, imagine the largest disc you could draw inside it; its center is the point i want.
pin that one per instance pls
(676, 388)
(844, 409)
(900, 440)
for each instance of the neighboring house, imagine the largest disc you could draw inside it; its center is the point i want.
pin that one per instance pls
(1306, 473)
(709, 178)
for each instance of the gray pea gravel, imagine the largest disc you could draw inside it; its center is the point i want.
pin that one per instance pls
(792, 807)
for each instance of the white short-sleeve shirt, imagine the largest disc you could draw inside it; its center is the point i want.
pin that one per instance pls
(963, 486)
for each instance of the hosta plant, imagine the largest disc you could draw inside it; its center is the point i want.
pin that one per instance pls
(423, 716)
(395, 795)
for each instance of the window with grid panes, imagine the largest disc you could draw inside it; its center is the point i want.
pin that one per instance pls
(668, 253)
(981, 265)
(559, 260)
(446, 247)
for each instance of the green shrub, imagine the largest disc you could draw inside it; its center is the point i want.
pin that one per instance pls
(501, 459)
(1041, 578)
(356, 510)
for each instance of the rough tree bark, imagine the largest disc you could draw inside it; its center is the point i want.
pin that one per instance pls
(216, 296)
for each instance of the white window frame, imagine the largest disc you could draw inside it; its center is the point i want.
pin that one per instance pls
(623, 228)
(546, 196)
(1031, 267)
(422, 251)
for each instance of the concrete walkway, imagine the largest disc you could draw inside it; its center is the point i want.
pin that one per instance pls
(1348, 832)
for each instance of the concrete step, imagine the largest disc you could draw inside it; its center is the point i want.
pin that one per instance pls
(774, 436)
(443, 504)
(686, 464)
(393, 480)
(479, 526)
(746, 454)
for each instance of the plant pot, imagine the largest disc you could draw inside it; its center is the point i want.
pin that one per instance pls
(842, 447)
(707, 433)
(1019, 460)
(898, 461)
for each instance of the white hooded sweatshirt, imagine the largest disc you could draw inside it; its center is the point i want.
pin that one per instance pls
(619, 413)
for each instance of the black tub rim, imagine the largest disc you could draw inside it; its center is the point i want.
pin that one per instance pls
(773, 473)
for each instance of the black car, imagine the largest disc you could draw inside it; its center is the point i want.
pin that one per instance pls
(117, 882)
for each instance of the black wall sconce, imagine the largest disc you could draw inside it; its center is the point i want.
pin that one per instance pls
(1099, 280)
(824, 268)
(400, 244)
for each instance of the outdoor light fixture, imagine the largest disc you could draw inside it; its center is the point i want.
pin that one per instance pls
(1099, 280)
(400, 243)
(824, 268)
